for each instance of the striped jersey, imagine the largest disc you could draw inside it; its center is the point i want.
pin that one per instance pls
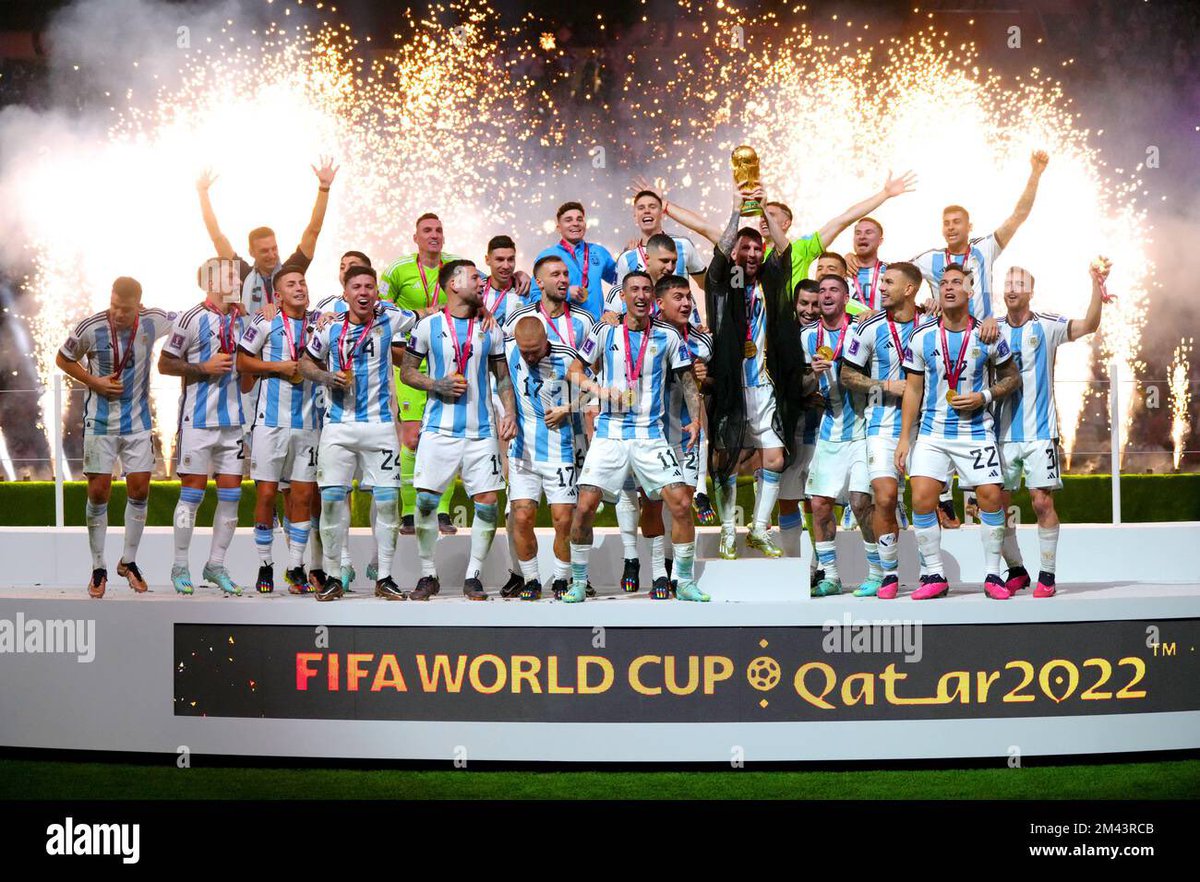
(665, 352)
(842, 419)
(538, 388)
(873, 347)
(336, 304)
(700, 347)
(93, 339)
(434, 339)
(865, 284)
(687, 260)
(982, 255)
(569, 329)
(198, 335)
(924, 355)
(280, 403)
(369, 353)
(498, 303)
(1028, 414)
(614, 301)
(754, 368)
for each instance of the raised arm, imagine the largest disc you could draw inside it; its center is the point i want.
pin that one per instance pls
(220, 240)
(325, 175)
(1077, 328)
(833, 227)
(1005, 231)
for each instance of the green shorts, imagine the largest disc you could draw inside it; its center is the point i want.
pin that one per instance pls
(410, 401)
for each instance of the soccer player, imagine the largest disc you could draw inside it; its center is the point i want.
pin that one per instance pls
(117, 344)
(286, 426)
(1027, 420)
(661, 258)
(978, 255)
(946, 398)
(590, 265)
(412, 284)
(498, 291)
(457, 432)
(564, 326)
(674, 297)
(359, 351)
(804, 442)
(631, 363)
(872, 366)
(201, 349)
(648, 214)
(866, 269)
(541, 457)
(839, 466)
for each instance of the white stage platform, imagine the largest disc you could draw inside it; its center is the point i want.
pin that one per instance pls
(764, 673)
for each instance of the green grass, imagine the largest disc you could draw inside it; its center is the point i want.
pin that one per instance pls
(65, 780)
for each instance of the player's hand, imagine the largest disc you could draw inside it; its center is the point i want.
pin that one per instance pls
(639, 184)
(452, 386)
(967, 403)
(342, 380)
(700, 369)
(610, 318)
(324, 319)
(221, 363)
(900, 460)
(865, 315)
(820, 365)
(691, 434)
(487, 321)
(327, 172)
(557, 416)
(989, 330)
(286, 369)
(852, 264)
(523, 281)
(578, 293)
(931, 307)
(906, 183)
(109, 387)
(507, 428)
(895, 387)
(269, 310)
(1100, 268)
(1038, 161)
(205, 180)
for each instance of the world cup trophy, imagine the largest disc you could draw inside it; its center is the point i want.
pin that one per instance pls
(747, 176)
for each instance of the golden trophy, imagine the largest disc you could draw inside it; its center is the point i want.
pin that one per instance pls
(747, 176)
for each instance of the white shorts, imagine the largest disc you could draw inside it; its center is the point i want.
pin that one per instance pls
(795, 476)
(1036, 461)
(529, 480)
(881, 457)
(217, 451)
(838, 468)
(346, 447)
(651, 463)
(976, 460)
(284, 454)
(689, 464)
(475, 460)
(101, 452)
(760, 418)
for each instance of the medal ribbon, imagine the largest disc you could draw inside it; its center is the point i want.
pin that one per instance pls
(633, 372)
(841, 336)
(225, 329)
(954, 374)
(429, 301)
(487, 289)
(570, 338)
(869, 297)
(120, 361)
(583, 270)
(463, 353)
(293, 347)
(750, 292)
(347, 357)
(896, 338)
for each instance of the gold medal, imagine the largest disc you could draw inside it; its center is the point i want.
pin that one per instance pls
(295, 379)
(630, 397)
(349, 375)
(950, 395)
(825, 353)
(751, 349)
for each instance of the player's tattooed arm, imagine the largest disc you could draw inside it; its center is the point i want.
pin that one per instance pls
(177, 366)
(1008, 229)
(508, 398)
(313, 371)
(1008, 378)
(450, 386)
(695, 405)
(725, 244)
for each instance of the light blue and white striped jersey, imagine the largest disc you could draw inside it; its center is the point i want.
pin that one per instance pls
(470, 415)
(842, 419)
(93, 339)
(924, 356)
(282, 404)
(872, 346)
(864, 285)
(604, 351)
(570, 329)
(537, 388)
(983, 254)
(700, 347)
(1028, 414)
(210, 402)
(687, 260)
(370, 401)
(754, 369)
(498, 303)
(615, 302)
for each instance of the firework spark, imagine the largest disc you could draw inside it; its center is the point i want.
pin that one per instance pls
(1180, 385)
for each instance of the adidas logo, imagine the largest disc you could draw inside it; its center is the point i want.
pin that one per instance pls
(993, 474)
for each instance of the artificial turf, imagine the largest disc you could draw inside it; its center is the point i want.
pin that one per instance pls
(71, 780)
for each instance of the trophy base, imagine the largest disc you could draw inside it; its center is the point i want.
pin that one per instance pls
(751, 208)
